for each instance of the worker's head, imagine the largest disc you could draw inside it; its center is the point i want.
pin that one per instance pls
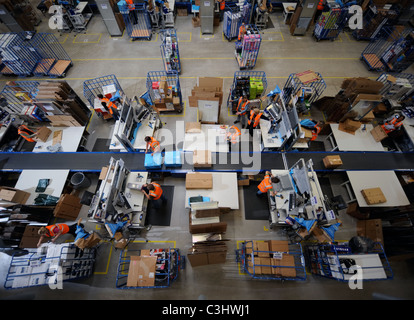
(400, 117)
(147, 139)
(232, 130)
(150, 186)
(100, 96)
(274, 180)
(42, 231)
(244, 97)
(256, 110)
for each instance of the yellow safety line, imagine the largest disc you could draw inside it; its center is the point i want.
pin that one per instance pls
(205, 37)
(65, 39)
(90, 120)
(184, 40)
(107, 264)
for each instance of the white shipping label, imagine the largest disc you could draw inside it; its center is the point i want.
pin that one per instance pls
(277, 255)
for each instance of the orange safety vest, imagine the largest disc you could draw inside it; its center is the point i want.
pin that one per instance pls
(265, 185)
(233, 136)
(64, 228)
(256, 119)
(222, 4)
(393, 122)
(25, 132)
(109, 104)
(157, 192)
(131, 5)
(320, 5)
(242, 31)
(315, 133)
(153, 143)
(243, 109)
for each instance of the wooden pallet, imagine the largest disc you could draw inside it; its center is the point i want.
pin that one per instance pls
(60, 67)
(373, 61)
(140, 33)
(6, 70)
(44, 66)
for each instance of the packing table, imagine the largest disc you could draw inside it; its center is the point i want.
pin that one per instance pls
(69, 140)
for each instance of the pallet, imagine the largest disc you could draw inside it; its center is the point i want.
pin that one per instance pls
(44, 66)
(140, 33)
(60, 67)
(373, 61)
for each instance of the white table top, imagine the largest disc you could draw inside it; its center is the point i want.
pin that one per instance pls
(136, 198)
(386, 180)
(224, 191)
(288, 4)
(71, 137)
(207, 139)
(361, 141)
(29, 179)
(273, 140)
(139, 143)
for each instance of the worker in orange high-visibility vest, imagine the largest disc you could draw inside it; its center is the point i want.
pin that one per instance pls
(241, 111)
(315, 131)
(130, 3)
(153, 145)
(26, 133)
(394, 124)
(222, 6)
(266, 185)
(154, 192)
(242, 32)
(319, 9)
(110, 106)
(254, 119)
(57, 230)
(233, 135)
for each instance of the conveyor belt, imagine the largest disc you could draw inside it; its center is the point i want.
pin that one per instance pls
(94, 161)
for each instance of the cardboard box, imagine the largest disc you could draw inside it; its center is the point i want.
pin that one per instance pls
(193, 127)
(308, 76)
(254, 268)
(43, 134)
(263, 249)
(378, 133)
(349, 126)
(103, 173)
(285, 267)
(278, 245)
(141, 271)
(250, 246)
(31, 237)
(196, 21)
(195, 180)
(266, 265)
(373, 196)
(121, 244)
(371, 229)
(332, 162)
(305, 135)
(198, 259)
(14, 195)
(90, 242)
(205, 258)
(68, 207)
(202, 159)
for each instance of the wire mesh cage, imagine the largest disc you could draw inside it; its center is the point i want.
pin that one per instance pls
(163, 266)
(17, 93)
(397, 86)
(247, 50)
(169, 51)
(252, 83)
(277, 260)
(393, 51)
(93, 87)
(137, 21)
(161, 86)
(374, 19)
(308, 84)
(338, 261)
(58, 263)
(232, 21)
(54, 59)
(17, 54)
(331, 23)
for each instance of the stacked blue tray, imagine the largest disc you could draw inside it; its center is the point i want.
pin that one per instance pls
(153, 161)
(173, 159)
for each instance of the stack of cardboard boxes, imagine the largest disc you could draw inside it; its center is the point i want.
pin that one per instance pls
(68, 207)
(270, 258)
(165, 96)
(62, 106)
(208, 88)
(353, 91)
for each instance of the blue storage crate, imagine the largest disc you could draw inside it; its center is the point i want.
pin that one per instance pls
(173, 159)
(205, 199)
(153, 161)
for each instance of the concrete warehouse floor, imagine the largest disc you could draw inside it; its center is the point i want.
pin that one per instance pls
(96, 54)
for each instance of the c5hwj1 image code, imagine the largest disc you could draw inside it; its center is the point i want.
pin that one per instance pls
(207, 310)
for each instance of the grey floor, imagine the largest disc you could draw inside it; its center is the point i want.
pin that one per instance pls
(96, 54)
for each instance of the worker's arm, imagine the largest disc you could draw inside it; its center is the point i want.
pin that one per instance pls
(57, 236)
(40, 241)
